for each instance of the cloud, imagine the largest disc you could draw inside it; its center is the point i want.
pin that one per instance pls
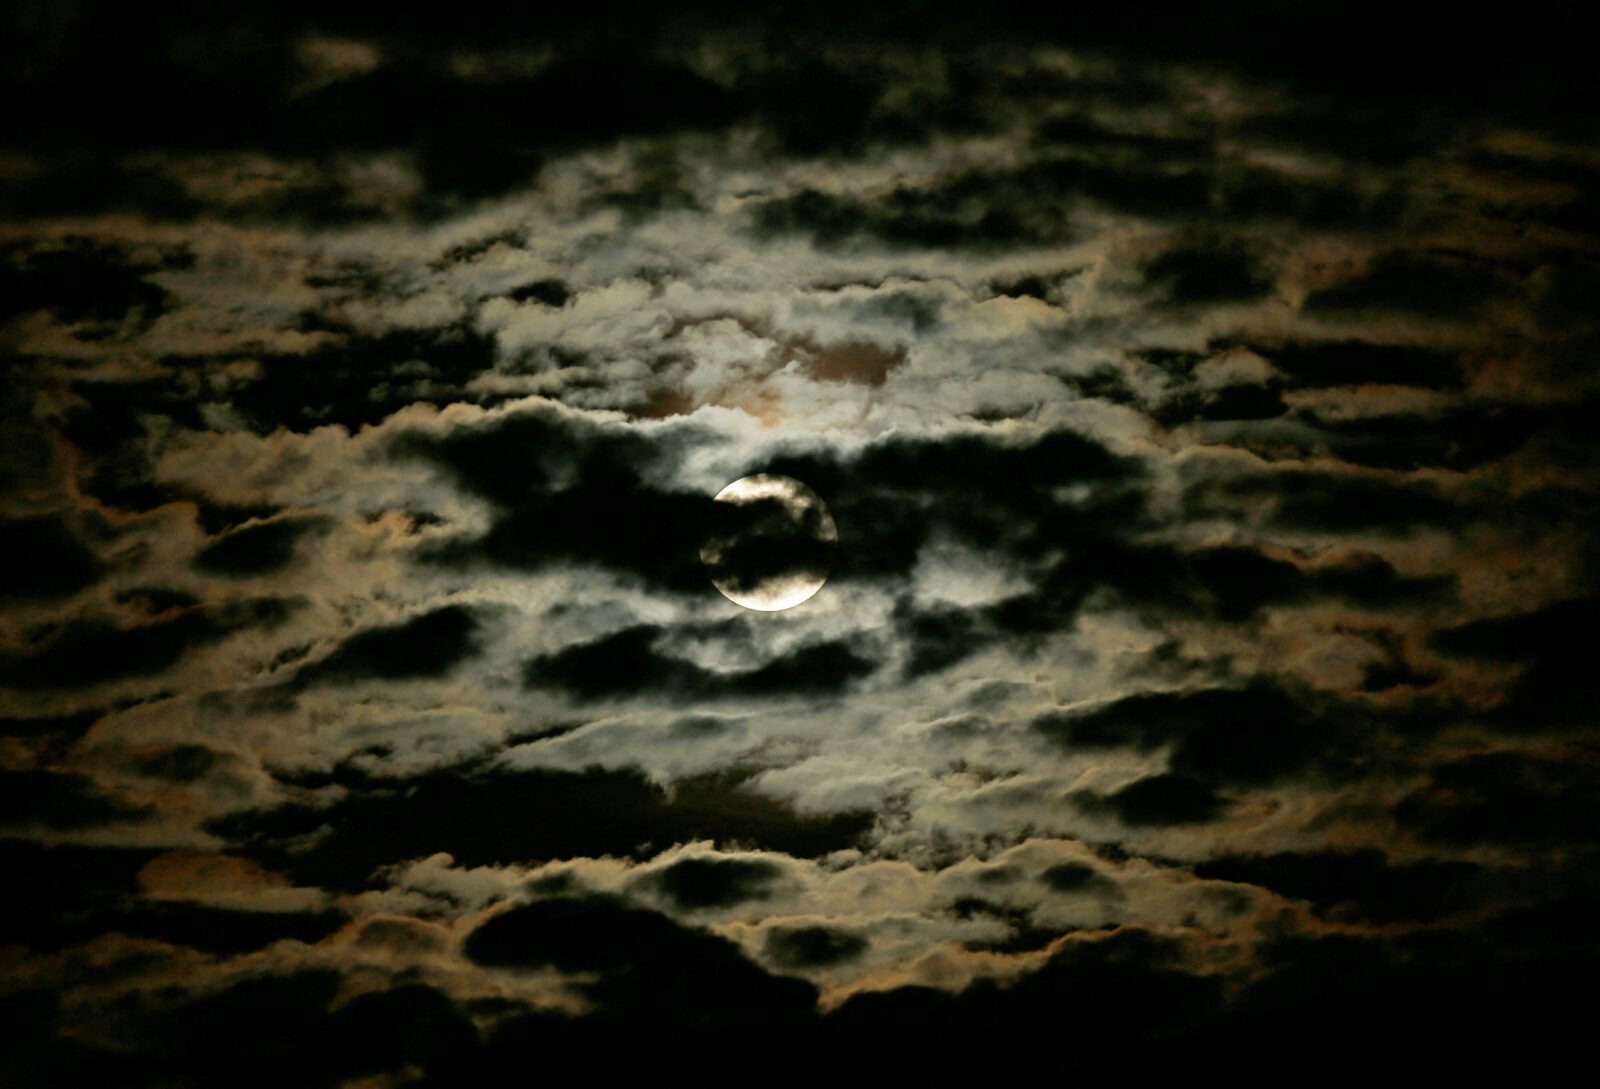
(85, 652)
(648, 965)
(716, 882)
(254, 550)
(812, 946)
(626, 664)
(1243, 736)
(43, 559)
(1208, 275)
(1076, 877)
(1199, 669)
(67, 886)
(1330, 501)
(1362, 884)
(1431, 286)
(426, 645)
(1160, 800)
(487, 815)
(1503, 797)
(1555, 689)
(77, 281)
(1317, 364)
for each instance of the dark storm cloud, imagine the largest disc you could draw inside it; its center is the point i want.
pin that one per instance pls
(1229, 583)
(80, 280)
(41, 558)
(1158, 800)
(761, 539)
(1262, 195)
(66, 886)
(1507, 798)
(94, 182)
(427, 645)
(952, 217)
(716, 882)
(178, 763)
(411, 1025)
(1035, 286)
(237, 83)
(1141, 189)
(812, 946)
(110, 417)
(1461, 436)
(271, 1030)
(254, 550)
(985, 209)
(1119, 992)
(1234, 582)
(1236, 402)
(1567, 286)
(1370, 134)
(1327, 501)
(57, 799)
(1559, 921)
(550, 292)
(1557, 687)
(558, 482)
(677, 996)
(485, 816)
(648, 965)
(1076, 877)
(889, 498)
(1218, 737)
(1078, 133)
(260, 1032)
(937, 638)
(815, 107)
(1425, 284)
(1022, 935)
(627, 664)
(234, 83)
(109, 422)
(219, 931)
(478, 138)
(82, 652)
(356, 379)
(153, 600)
(65, 727)
(681, 1003)
(1532, 69)
(1457, 997)
(1207, 274)
(1455, 440)
(1363, 884)
(223, 81)
(1325, 363)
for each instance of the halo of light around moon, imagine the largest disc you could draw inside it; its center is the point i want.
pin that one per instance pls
(770, 544)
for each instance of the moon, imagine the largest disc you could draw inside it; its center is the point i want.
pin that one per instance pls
(771, 542)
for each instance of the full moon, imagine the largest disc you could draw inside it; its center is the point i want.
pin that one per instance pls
(771, 542)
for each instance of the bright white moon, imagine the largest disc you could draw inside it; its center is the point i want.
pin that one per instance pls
(771, 544)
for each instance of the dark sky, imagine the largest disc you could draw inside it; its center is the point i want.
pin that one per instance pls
(1205, 400)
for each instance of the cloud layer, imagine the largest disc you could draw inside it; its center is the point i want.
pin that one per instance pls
(1199, 671)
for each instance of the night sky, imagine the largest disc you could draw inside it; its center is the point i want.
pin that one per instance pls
(1205, 399)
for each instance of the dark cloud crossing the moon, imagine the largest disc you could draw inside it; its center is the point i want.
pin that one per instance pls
(770, 544)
